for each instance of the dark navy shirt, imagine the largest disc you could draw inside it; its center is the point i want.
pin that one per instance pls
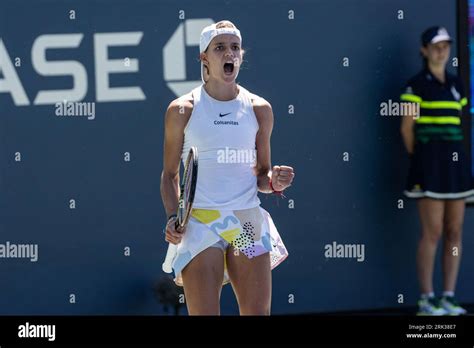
(440, 106)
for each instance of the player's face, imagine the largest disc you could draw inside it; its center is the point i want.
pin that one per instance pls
(224, 56)
(438, 53)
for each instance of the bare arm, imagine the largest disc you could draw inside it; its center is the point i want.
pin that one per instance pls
(408, 134)
(410, 95)
(281, 176)
(176, 118)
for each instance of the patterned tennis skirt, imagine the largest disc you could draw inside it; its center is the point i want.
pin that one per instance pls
(251, 231)
(439, 170)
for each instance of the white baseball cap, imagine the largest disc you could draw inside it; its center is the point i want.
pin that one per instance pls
(434, 35)
(209, 33)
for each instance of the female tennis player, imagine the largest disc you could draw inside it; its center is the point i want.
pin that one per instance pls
(229, 237)
(439, 174)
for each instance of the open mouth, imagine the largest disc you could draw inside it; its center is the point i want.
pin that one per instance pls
(229, 68)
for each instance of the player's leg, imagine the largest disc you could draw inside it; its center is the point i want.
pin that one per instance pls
(431, 213)
(251, 281)
(453, 222)
(202, 282)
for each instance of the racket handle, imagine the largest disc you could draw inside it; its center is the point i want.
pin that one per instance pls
(170, 255)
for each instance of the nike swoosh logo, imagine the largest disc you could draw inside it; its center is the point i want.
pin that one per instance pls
(222, 115)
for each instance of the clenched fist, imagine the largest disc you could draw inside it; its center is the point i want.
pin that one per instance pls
(282, 177)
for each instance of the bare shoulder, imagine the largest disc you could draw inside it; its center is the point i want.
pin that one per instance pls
(259, 102)
(263, 110)
(180, 109)
(184, 103)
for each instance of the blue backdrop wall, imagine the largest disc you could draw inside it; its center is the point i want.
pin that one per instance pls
(86, 190)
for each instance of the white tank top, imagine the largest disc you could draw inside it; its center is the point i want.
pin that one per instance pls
(224, 133)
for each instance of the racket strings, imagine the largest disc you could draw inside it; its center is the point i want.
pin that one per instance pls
(186, 199)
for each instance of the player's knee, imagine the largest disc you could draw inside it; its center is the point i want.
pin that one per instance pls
(453, 233)
(433, 235)
(432, 238)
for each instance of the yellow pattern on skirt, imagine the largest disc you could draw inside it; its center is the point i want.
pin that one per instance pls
(251, 231)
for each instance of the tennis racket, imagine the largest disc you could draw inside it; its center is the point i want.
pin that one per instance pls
(185, 203)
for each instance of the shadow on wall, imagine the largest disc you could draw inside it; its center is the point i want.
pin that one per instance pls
(168, 294)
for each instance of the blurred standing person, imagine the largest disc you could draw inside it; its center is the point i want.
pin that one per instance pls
(439, 175)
